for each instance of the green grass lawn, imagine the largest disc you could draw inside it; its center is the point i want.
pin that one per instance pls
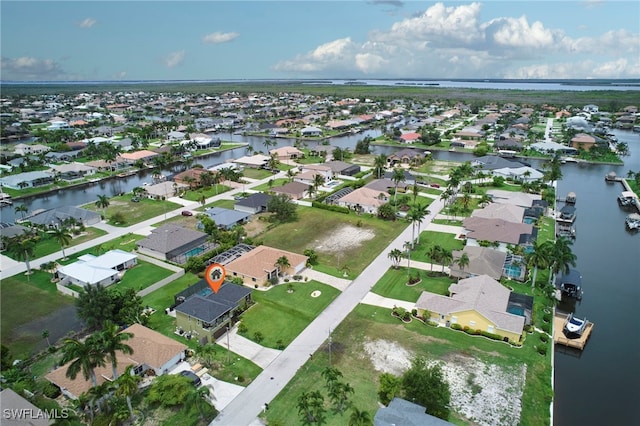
(429, 239)
(274, 184)
(258, 174)
(48, 245)
(225, 204)
(370, 323)
(315, 224)
(213, 190)
(23, 300)
(288, 313)
(142, 276)
(134, 212)
(125, 242)
(393, 284)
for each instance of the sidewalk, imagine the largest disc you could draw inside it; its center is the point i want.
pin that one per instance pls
(244, 347)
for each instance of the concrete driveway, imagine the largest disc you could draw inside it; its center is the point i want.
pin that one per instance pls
(246, 348)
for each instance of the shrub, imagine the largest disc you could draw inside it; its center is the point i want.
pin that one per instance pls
(456, 326)
(258, 337)
(542, 349)
(50, 390)
(242, 328)
(544, 338)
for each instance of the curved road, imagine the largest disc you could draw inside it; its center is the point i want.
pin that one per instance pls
(246, 407)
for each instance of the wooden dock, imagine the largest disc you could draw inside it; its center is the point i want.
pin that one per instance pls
(559, 338)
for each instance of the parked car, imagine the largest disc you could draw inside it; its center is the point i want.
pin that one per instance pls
(186, 213)
(192, 376)
(435, 185)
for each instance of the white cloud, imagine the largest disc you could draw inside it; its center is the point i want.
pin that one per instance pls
(218, 37)
(29, 68)
(174, 59)
(121, 75)
(87, 23)
(454, 42)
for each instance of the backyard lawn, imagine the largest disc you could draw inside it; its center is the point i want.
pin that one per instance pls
(133, 212)
(48, 245)
(339, 239)
(142, 276)
(429, 239)
(393, 284)
(197, 194)
(371, 333)
(288, 313)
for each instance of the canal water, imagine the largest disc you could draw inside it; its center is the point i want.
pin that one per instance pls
(599, 385)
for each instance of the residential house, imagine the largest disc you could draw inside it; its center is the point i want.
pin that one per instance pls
(583, 141)
(73, 171)
(519, 174)
(105, 269)
(18, 411)
(58, 216)
(479, 303)
(27, 180)
(497, 232)
(191, 177)
(255, 161)
(174, 243)
(258, 266)
(294, 190)
(410, 137)
(153, 354)
(225, 218)
(164, 190)
(144, 155)
(482, 261)
(322, 169)
(8, 230)
(310, 131)
(286, 153)
(410, 156)
(553, 147)
(364, 200)
(253, 204)
(23, 149)
(508, 212)
(401, 412)
(387, 184)
(342, 168)
(515, 198)
(205, 315)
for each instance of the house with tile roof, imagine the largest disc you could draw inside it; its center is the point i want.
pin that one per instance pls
(205, 315)
(479, 303)
(294, 190)
(153, 354)
(482, 261)
(508, 212)
(364, 200)
(27, 180)
(258, 266)
(287, 153)
(58, 216)
(498, 232)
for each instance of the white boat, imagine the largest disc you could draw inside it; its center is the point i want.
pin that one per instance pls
(574, 327)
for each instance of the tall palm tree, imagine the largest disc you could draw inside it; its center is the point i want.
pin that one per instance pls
(434, 254)
(110, 341)
(417, 213)
(83, 357)
(63, 237)
(318, 181)
(540, 257)
(22, 208)
(407, 245)
(23, 248)
(360, 418)
(283, 263)
(563, 257)
(463, 262)
(397, 177)
(102, 203)
(445, 257)
(269, 143)
(379, 163)
(128, 386)
(415, 191)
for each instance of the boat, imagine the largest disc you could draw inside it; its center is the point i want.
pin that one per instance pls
(627, 198)
(566, 231)
(574, 327)
(570, 284)
(633, 222)
(5, 199)
(567, 214)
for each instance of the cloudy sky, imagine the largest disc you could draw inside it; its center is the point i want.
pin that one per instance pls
(171, 40)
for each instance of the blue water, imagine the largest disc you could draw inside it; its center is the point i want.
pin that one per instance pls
(194, 252)
(529, 220)
(205, 292)
(513, 271)
(516, 310)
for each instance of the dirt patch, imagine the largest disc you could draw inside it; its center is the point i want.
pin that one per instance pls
(255, 226)
(343, 239)
(486, 394)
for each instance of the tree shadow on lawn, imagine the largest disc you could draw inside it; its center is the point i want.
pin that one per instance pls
(59, 324)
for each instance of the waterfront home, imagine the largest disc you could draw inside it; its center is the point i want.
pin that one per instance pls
(59, 216)
(254, 161)
(515, 198)
(287, 153)
(403, 412)
(550, 147)
(18, 411)
(23, 149)
(145, 155)
(519, 174)
(410, 156)
(507, 212)
(105, 269)
(205, 315)
(174, 243)
(259, 265)
(482, 261)
(8, 230)
(310, 131)
(410, 137)
(27, 180)
(73, 171)
(497, 232)
(479, 303)
(164, 190)
(153, 354)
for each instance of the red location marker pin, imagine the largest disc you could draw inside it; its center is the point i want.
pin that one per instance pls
(214, 275)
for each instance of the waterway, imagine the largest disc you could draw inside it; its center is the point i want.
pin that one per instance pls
(599, 385)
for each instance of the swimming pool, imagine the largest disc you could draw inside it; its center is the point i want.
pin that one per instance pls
(529, 220)
(194, 252)
(516, 310)
(512, 271)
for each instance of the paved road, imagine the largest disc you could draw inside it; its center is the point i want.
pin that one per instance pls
(244, 409)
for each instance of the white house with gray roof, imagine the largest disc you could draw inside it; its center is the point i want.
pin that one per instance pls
(92, 270)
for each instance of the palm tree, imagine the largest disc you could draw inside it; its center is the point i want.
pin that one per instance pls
(397, 177)
(83, 357)
(434, 254)
(463, 262)
(196, 397)
(63, 237)
(395, 255)
(82, 402)
(318, 181)
(102, 203)
(415, 191)
(282, 263)
(269, 143)
(540, 257)
(360, 418)
(407, 245)
(112, 341)
(128, 386)
(445, 257)
(417, 213)
(379, 163)
(22, 208)
(22, 247)
(45, 335)
(563, 257)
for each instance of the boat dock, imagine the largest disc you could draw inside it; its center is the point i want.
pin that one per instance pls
(559, 338)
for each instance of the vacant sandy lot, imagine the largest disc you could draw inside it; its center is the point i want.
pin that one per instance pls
(485, 394)
(343, 239)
